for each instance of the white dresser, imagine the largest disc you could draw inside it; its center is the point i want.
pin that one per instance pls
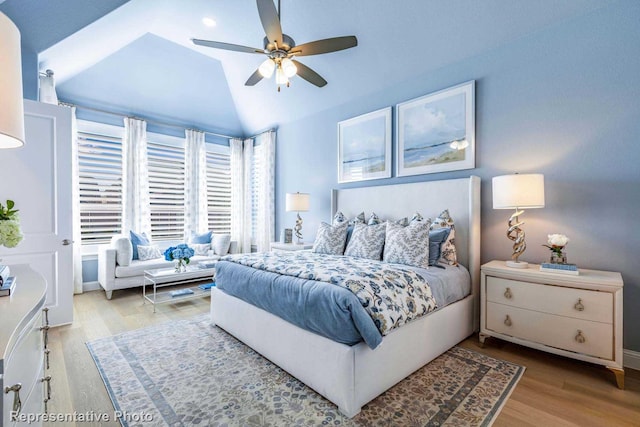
(574, 316)
(23, 339)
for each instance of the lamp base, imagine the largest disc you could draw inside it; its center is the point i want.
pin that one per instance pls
(517, 264)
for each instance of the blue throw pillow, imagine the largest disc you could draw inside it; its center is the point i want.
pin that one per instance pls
(436, 239)
(138, 239)
(201, 238)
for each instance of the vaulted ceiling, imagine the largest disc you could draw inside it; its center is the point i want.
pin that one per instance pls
(136, 55)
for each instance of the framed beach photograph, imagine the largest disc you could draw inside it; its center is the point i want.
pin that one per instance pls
(436, 132)
(364, 147)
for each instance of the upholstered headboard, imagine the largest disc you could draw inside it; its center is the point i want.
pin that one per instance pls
(460, 196)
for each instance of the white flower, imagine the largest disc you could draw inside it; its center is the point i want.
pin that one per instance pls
(10, 233)
(557, 240)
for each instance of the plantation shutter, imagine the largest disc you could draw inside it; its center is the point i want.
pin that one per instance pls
(100, 181)
(256, 178)
(219, 190)
(166, 190)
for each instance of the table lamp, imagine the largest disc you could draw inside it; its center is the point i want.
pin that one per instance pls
(11, 104)
(518, 192)
(297, 202)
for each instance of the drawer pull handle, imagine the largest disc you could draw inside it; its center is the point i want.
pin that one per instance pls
(580, 338)
(45, 333)
(579, 306)
(46, 316)
(17, 403)
(47, 379)
(507, 320)
(508, 294)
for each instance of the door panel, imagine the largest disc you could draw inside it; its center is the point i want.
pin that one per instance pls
(38, 178)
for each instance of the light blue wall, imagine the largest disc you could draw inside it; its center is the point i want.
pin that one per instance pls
(29, 73)
(564, 102)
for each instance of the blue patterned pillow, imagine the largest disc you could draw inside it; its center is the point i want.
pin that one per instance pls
(407, 245)
(373, 219)
(330, 239)
(448, 253)
(138, 239)
(367, 241)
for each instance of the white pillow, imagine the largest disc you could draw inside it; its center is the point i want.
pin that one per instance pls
(200, 248)
(330, 238)
(145, 253)
(366, 241)
(124, 249)
(407, 245)
(221, 243)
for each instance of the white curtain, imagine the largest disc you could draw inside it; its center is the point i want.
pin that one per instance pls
(237, 192)
(247, 193)
(135, 179)
(265, 211)
(195, 207)
(75, 197)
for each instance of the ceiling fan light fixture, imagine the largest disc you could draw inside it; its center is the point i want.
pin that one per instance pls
(289, 67)
(281, 77)
(266, 68)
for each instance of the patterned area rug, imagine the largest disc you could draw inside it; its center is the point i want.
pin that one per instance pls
(190, 373)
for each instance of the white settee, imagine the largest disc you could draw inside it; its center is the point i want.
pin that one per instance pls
(116, 270)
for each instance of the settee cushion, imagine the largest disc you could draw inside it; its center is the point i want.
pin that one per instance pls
(137, 267)
(138, 239)
(201, 238)
(124, 249)
(221, 243)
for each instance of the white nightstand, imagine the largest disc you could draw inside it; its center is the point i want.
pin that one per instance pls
(574, 316)
(277, 246)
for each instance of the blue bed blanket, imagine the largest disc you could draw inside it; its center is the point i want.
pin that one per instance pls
(342, 298)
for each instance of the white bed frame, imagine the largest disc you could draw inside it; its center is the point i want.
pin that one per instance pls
(351, 376)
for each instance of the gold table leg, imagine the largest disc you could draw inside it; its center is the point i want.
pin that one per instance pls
(619, 373)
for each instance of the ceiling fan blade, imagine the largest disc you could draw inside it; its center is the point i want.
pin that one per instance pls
(309, 75)
(226, 46)
(325, 46)
(270, 20)
(255, 78)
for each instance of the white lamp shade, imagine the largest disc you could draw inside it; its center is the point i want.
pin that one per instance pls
(11, 104)
(297, 202)
(518, 191)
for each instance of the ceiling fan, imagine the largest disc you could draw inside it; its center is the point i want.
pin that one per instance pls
(280, 49)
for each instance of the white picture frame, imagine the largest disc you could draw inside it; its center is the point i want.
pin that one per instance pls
(436, 132)
(364, 147)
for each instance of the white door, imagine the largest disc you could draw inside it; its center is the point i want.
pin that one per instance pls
(37, 177)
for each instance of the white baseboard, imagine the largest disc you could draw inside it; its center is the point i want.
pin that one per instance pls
(90, 286)
(631, 359)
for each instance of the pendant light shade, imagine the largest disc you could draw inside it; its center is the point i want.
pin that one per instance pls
(11, 104)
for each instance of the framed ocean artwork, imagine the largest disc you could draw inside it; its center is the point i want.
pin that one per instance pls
(364, 147)
(436, 132)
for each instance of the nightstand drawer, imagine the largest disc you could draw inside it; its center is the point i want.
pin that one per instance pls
(555, 331)
(571, 302)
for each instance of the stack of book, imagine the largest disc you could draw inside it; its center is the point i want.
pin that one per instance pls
(559, 268)
(7, 282)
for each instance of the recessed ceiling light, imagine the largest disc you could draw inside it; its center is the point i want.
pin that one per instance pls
(209, 22)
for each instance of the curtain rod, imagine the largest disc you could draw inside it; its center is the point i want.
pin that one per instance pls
(68, 104)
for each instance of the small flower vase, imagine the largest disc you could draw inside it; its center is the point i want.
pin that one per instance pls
(181, 267)
(558, 257)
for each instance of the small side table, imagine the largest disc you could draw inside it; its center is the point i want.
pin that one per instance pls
(285, 247)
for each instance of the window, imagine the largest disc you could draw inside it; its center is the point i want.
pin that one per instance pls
(100, 179)
(101, 192)
(166, 188)
(219, 188)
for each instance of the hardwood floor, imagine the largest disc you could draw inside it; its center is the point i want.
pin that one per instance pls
(554, 391)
